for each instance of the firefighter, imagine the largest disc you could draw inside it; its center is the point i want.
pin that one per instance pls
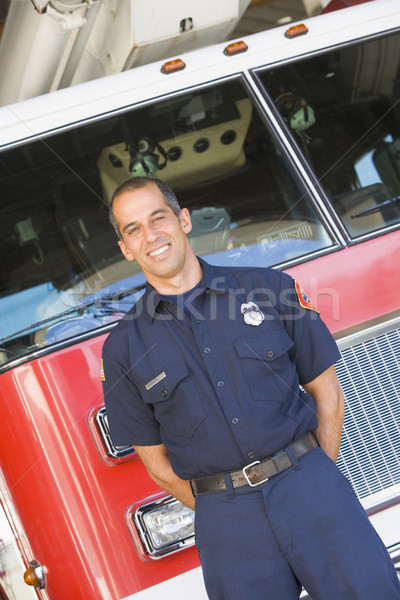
(203, 378)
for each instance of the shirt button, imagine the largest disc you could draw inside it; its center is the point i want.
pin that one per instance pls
(197, 320)
(251, 455)
(207, 350)
(270, 354)
(235, 420)
(220, 383)
(164, 393)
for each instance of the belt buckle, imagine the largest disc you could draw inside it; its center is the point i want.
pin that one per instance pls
(257, 462)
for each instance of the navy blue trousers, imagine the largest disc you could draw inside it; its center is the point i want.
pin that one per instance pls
(304, 526)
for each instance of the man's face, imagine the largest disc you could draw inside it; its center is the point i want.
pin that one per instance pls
(152, 234)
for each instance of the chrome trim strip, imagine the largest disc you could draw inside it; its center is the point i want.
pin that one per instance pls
(115, 452)
(38, 353)
(367, 334)
(382, 500)
(383, 505)
(394, 552)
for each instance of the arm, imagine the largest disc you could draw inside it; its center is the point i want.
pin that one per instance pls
(329, 405)
(157, 463)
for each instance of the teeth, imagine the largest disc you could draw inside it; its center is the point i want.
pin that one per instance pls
(159, 251)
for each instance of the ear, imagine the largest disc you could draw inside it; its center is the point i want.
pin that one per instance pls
(185, 221)
(128, 255)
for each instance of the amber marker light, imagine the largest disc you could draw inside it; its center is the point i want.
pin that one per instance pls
(172, 66)
(235, 48)
(296, 30)
(35, 575)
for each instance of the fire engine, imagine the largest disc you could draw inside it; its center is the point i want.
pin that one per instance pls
(285, 147)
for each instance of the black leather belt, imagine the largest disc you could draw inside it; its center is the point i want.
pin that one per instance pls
(257, 472)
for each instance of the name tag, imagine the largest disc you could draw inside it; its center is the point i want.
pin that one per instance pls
(155, 380)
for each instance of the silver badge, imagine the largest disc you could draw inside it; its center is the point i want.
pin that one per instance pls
(252, 314)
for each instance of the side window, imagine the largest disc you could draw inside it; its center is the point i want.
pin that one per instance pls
(342, 107)
(62, 273)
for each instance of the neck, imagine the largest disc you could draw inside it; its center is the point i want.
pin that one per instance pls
(185, 280)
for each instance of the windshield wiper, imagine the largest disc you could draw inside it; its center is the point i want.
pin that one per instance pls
(374, 208)
(78, 308)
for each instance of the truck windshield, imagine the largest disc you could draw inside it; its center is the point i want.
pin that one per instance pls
(343, 109)
(58, 249)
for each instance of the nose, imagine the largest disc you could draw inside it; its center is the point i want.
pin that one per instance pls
(150, 233)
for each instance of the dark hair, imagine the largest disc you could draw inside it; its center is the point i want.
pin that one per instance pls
(136, 183)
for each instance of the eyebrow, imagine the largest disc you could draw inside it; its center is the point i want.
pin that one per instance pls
(155, 212)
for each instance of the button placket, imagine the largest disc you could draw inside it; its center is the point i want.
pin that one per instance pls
(226, 395)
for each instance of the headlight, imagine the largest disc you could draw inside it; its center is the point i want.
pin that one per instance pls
(161, 527)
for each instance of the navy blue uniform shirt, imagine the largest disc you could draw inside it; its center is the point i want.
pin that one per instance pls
(218, 391)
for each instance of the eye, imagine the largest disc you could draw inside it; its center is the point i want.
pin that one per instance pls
(133, 231)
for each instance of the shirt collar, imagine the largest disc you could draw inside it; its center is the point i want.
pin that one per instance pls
(212, 280)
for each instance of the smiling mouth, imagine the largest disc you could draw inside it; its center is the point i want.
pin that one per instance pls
(159, 250)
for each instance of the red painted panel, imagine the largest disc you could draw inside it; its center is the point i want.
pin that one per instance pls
(72, 504)
(356, 284)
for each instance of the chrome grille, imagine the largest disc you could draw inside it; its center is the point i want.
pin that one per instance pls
(370, 378)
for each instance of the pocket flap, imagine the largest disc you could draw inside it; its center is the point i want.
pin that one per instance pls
(264, 347)
(161, 386)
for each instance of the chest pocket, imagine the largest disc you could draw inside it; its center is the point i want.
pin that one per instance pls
(266, 364)
(177, 405)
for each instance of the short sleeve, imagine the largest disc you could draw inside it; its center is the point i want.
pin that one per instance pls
(314, 348)
(131, 421)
